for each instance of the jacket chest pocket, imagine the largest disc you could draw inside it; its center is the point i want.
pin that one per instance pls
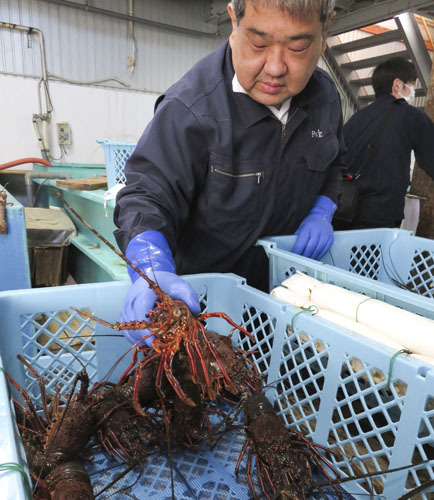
(307, 172)
(315, 162)
(319, 156)
(234, 194)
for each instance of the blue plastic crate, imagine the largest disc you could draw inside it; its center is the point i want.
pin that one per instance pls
(116, 154)
(330, 384)
(385, 260)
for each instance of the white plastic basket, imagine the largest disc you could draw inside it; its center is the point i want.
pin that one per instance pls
(326, 382)
(116, 155)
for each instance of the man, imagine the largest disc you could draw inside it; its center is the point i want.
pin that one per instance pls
(246, 144)
(384, 179)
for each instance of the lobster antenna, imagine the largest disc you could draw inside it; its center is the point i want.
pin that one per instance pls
(151, 283)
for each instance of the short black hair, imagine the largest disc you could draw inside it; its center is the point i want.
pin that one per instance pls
(302, 8)
(386, 72)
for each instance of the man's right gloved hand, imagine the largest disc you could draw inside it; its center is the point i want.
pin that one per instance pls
(150, 252)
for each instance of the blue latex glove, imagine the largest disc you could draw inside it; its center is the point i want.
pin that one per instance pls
(315, 233)
(150, 252)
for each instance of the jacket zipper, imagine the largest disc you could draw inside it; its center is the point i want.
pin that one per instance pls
(258, 175)
(282, 135)
(290, 117)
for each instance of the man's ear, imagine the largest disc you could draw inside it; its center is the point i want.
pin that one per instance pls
(396, 87)
(231, 13)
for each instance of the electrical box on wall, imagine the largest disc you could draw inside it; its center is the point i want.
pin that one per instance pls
(63, 134)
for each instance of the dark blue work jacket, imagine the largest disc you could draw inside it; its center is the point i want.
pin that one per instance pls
(385, 179)
(214, 170)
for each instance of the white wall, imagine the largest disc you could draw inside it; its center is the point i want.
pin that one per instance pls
(83, 46)
(93, 113)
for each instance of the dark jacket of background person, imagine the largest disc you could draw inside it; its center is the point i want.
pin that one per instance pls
(384, 181)
(215, 170)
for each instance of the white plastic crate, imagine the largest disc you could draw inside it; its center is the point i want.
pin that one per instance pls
(116, 155)
(330, 384)
(389, 260)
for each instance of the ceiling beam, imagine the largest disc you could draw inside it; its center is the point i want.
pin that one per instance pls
(148, 22)
(376, 12)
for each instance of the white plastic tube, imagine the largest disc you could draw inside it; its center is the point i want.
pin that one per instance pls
(337, 299)
(291, 297)
(390, 325)
(412, 331)
(301, 283)
(359, 329)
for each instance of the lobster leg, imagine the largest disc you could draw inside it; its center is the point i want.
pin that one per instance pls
(29, 403)
(167, 360)
(229, 320)
(319, 459)
(242, 453)
(243, 351)
(24, 428)
(138, 375)
(130, 367)
(105, 442)
(260, 468)
(213, 352)
(192, 360)
(159, 380)
(267, 473)
(40, 384)
(127, 456)
(136, 404)
(249, 474)
(202, 362)
(54, 405)
(247, 360)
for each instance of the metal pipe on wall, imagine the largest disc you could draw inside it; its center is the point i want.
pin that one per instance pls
(41, 117)
(40, 175)
(131, 60)
(29, 30)
(97, 10)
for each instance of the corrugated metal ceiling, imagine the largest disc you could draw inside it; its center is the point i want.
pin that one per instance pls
(351, 14)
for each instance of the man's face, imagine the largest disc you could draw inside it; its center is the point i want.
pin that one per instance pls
(274, 54)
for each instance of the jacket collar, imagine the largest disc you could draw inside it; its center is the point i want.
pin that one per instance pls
(252, 112)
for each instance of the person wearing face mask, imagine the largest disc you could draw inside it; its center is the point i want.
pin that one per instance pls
(247, 144)
(384, 179)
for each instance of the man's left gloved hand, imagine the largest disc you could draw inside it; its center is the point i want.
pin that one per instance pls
(315, 233)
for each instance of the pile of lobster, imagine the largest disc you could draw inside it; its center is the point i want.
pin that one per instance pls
(161, 400)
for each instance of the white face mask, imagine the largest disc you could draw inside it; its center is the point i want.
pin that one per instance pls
(409, 98)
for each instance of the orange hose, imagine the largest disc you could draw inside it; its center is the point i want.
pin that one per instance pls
(10, 164)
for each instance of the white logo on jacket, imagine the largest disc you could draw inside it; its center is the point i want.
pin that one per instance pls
(317, 134)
